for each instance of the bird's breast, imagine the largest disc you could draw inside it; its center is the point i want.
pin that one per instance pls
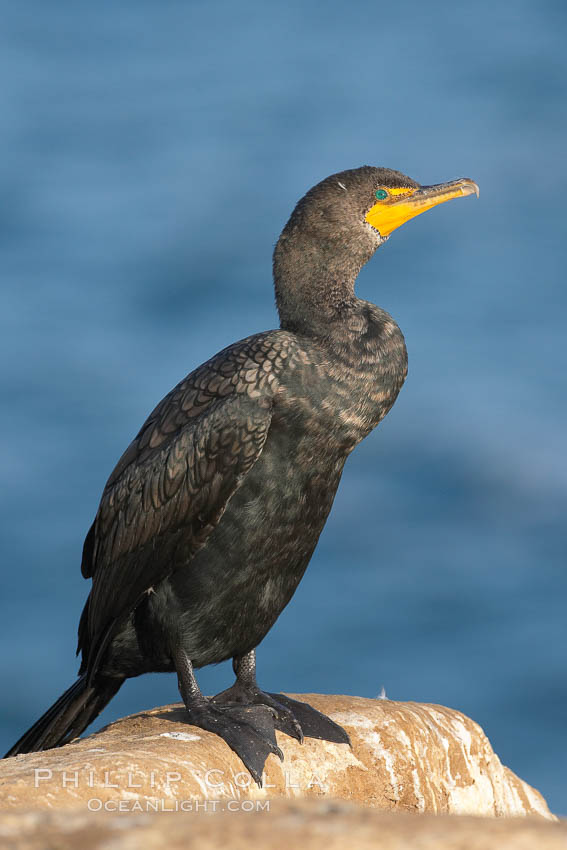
(332, 399)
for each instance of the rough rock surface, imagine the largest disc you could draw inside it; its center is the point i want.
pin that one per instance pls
(405, 756)
(309, 824)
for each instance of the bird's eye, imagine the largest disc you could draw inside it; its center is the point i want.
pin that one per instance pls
(381, 194)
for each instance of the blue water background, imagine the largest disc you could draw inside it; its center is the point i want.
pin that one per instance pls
(151, 153)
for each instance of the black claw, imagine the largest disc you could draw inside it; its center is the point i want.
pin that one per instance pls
(287, 723)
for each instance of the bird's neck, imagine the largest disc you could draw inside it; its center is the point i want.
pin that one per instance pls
(314, 284)
(314, 277)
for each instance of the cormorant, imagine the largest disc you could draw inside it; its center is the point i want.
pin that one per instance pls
(208, 521)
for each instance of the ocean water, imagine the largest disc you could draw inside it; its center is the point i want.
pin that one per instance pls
(151, 155)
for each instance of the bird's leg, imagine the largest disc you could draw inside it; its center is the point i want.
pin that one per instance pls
(297, 719)
(246, 691)
(248, 730)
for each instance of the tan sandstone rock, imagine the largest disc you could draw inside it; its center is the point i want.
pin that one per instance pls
(305, 824)
(405, 756)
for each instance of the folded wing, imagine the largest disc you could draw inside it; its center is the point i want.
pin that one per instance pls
(168, 492)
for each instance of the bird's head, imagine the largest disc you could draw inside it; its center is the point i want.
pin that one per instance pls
(338, 224)
(367, 197)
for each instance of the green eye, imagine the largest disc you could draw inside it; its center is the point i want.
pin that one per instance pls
(381, 194)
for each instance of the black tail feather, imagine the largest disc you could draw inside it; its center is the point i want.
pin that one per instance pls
(68, 716)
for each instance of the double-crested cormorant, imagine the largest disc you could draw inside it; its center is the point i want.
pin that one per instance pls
(208, 521)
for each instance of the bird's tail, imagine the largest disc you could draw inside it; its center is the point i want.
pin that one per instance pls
(69, 716)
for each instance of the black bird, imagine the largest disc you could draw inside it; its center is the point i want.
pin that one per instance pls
(208, 521)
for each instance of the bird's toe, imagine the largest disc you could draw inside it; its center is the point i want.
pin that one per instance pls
(313, 723)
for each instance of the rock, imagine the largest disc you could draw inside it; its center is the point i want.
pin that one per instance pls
(309, 824)
(405, 756)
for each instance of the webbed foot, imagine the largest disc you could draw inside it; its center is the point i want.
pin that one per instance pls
(295, 718)
(283, 717)
(248, 731)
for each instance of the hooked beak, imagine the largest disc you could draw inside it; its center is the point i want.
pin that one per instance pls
(405, 203)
